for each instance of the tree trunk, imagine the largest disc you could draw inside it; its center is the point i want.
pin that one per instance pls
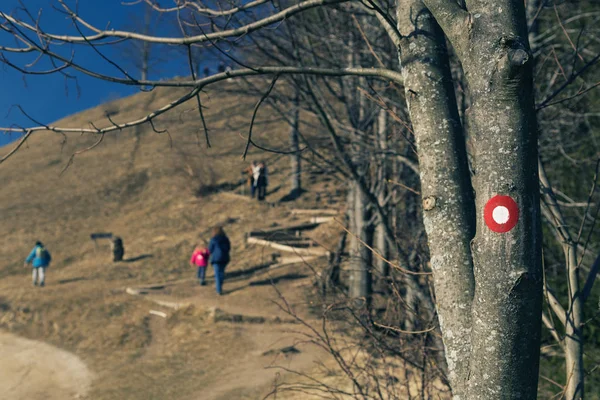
(444, 181)
(360, 255)
(331, 276)
(146, 46)
(295, 148)
(491, 42)
(488, 294)
(381, 244)
(575, 372)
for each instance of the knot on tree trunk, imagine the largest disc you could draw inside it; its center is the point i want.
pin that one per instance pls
(429, 203)
(517, 55)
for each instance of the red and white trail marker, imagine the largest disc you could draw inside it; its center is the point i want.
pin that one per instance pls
(501, 213)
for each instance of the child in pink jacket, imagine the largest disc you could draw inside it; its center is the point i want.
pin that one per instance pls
(199, 259)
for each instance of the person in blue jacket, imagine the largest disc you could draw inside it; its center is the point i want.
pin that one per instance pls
(219, 248)
(39, 258)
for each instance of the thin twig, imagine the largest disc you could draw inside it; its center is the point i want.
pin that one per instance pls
(262, 99)
(376, 253)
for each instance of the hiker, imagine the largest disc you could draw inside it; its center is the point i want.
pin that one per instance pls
(251, 181)
(219, 248)
(256, 172)
(39, 258)
(200, 260)
(262, 181)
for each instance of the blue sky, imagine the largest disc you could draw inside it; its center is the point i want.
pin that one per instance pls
(49, 98)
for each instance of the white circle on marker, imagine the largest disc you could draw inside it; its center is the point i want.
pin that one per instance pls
(500, 215)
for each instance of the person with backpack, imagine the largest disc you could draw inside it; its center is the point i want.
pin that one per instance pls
(256, 171)
(39, 258)
(250, 172)
(219, 248)
(262, 181)
(199, 259)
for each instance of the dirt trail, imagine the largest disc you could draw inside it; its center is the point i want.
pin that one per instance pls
(257, 347)
(31, 370)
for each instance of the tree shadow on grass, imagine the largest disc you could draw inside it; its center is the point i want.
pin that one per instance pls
(69, 280)
(267, 281)
(292, 196)
(273, 281)
(245, 272)
(138, 258)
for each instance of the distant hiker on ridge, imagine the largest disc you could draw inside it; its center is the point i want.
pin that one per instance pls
(199, 259)
(262, 181)
(255, 176)
(249, 171)
(39, 258)
(219, 248)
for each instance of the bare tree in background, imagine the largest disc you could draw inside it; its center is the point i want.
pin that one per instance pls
(295, 157)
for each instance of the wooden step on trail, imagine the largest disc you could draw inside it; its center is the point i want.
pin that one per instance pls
(216, 314)
(141, 290)
(282, 262)
(285, 261)
(317, 211)
(292, 228)
(301, 251)
(321, 220)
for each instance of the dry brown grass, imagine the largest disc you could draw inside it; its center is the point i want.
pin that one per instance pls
(143, 188)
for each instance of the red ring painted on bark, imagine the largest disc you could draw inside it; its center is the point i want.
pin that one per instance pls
(501, 213)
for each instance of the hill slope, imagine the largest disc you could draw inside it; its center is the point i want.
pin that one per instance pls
(161, 194)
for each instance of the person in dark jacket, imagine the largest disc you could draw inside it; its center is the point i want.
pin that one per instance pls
(262, 181)
(219, 248)
(39, 258)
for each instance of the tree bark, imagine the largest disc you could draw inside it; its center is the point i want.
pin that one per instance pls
(360, 256)
(295, 159)
(494, 287)
(446, 191)
(381, 244)
(492, 44)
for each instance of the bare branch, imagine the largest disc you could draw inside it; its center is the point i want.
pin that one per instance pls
(392, 328)
(376, 253)
(201, 10)
(262, 99)
(548, 101)
(72, 158)
(104, 34)
(198, 100)
(450, 16)
(548, 322)
(589, 283)
(554, 304)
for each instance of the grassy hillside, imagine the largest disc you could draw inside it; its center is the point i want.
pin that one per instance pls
(161, 193)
